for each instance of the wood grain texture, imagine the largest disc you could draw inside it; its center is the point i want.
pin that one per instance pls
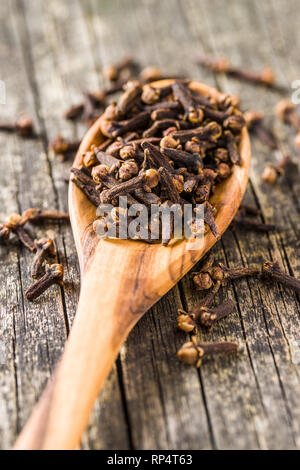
(152, 401)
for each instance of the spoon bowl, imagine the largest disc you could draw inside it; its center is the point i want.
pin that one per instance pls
(120, 281)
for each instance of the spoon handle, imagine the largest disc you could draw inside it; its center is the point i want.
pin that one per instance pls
(101, 325)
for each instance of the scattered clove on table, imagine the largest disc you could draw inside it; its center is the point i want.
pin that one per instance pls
(272, 172)
(272, 271)
(45, 251)
(243, 222)
(39, 215)
(247, 224)
(254, 121)
(23, 126)
(89, 109)
(193, 352)
(113, 72)
(210, 274)
(286, 111)
(221, 65)
(14, 223)
(54, 275)
(63, 147)
(205, 316)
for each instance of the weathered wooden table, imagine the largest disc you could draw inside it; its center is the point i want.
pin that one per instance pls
(49, 53)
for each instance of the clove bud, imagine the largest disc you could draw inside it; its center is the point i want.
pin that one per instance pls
(45, 250)
(53, 275)
(204, 315)
(271, 172)
(193, 352)
(271, 270)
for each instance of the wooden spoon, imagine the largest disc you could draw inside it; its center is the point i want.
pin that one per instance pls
(120, 281)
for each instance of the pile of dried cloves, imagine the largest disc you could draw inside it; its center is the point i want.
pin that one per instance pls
(164, 146)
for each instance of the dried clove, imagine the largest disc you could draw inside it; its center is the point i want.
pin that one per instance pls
(254, 121)
(169, 142)
(286, 111)
(22, 127)
(206, 316)
(156, 157)
(222, 273)
(37, 215)
(112, 72)
(93, 102)
(221, 65)
(265, 77)
(232, 148)
(151, 95)
(271, 173)
(209, 298)
(124, 188)
(169, 186)
(86, 184)
(63, 147)
(191, 161)
(209, 275)
(271, 270)
(247, 224)
(216, 115)
(53, 275)
(234, 123)
(15, 223)
(163, 113)
(224, 171)
(45, 250)
(169, 105)
(245, 209)
(133, 90)
(193, 352)
(182, 94)
(151, 73)
(4, 234)
(205, 189)
(74, 112)
(128, 169)
(90, 158)
(119, 128)
(210, 132)
(209, 218)
(227, 101)
(202, 281)
(161, 125)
